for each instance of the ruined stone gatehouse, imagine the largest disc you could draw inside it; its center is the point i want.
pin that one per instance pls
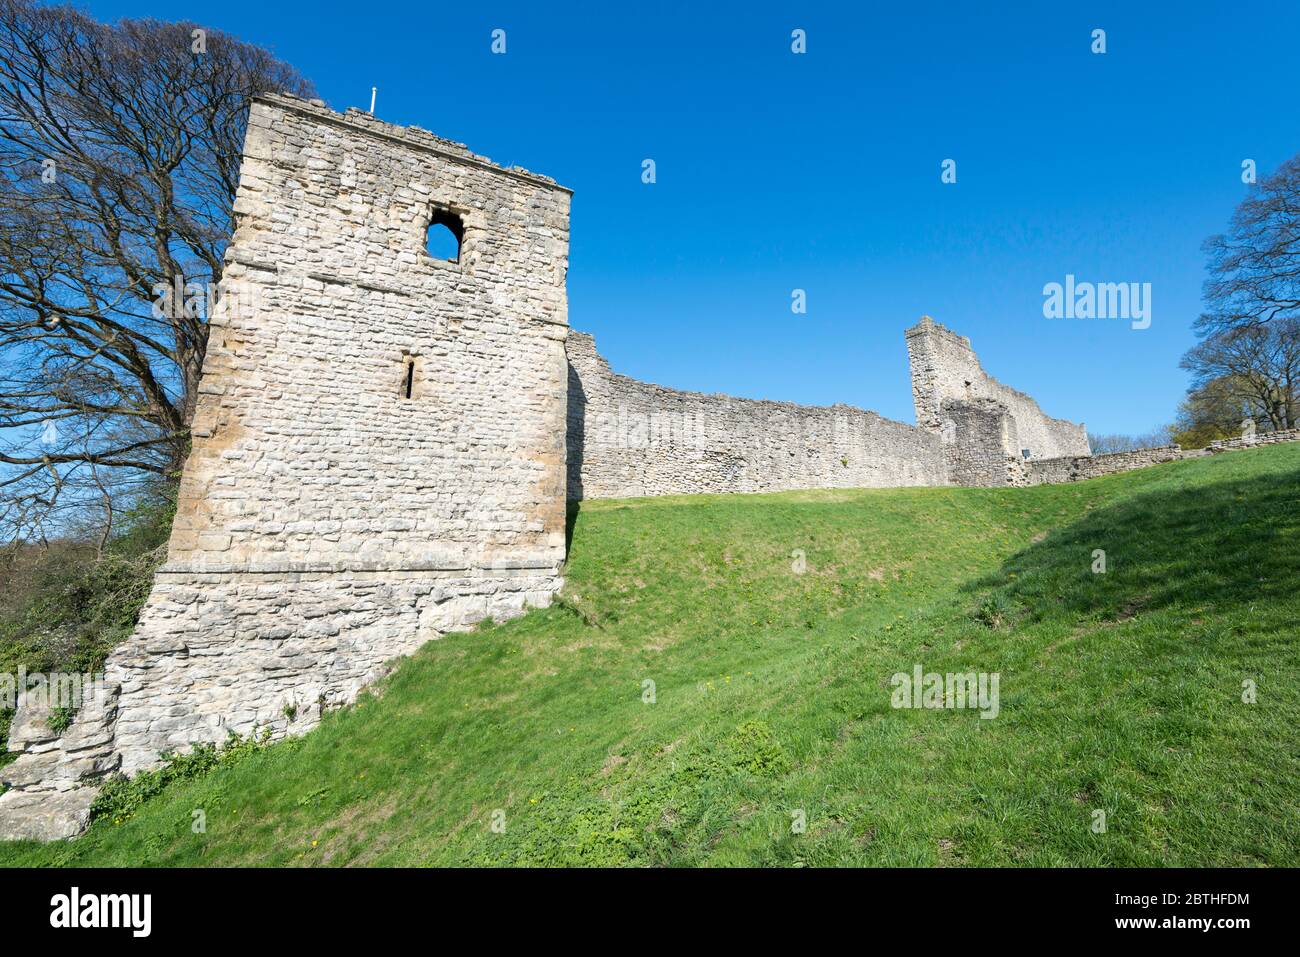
(385, 442)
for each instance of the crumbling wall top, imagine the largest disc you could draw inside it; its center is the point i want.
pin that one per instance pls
(411, 136)
(927, 326)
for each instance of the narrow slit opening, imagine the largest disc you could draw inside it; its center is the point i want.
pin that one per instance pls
(409, 389)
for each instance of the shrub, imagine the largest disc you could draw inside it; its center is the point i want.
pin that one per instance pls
(755, 748)
(120, 797)
(996, 610)
(66, 606)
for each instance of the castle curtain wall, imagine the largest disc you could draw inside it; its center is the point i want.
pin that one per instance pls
(629, 438)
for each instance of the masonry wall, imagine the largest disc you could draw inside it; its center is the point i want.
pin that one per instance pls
(946, 369)
(1262, 438)
(977, 433)
(1075, 469)
(629, 438)
(306, 454)
(327, 523)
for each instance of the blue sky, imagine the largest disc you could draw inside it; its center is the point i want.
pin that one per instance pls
(821, 171)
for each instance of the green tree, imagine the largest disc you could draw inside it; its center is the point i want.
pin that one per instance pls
(1255, 265)
(1259, 364)
(1210, 412)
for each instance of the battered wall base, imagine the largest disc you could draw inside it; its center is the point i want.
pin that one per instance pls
(245, 653)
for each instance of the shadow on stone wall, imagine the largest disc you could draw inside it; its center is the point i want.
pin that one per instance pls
(574, 437)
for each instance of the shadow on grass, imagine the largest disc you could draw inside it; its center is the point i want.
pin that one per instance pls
(570, 519)
(1230, 543)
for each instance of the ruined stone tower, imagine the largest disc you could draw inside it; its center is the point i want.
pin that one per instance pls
(988, 430)
(378, 449)
(379, 446)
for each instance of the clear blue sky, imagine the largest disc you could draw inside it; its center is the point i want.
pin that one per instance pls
(822, 171)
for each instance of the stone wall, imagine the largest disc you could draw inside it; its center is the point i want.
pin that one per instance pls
(1078, 468)
(327, 522)
(945, 369)
(1260, 438)
(628, 438)
(976, 435)
(307, 455)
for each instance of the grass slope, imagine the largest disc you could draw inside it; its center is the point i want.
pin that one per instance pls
(1120, 692)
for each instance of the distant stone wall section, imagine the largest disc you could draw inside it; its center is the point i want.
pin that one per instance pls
(1263, 438)
(945, 369)
(630, 438)
(1076, 469)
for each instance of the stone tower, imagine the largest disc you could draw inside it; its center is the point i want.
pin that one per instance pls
(378, 449)
(987, 428)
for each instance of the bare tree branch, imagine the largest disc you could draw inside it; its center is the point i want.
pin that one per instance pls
(1255, 266)
(119, 158)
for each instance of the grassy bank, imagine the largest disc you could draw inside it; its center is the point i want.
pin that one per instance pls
(1120, 692)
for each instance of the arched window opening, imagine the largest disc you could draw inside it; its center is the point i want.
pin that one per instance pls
(446, 231)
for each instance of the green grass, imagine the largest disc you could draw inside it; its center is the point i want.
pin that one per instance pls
(1120, 692)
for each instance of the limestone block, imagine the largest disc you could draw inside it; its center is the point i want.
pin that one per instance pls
(44, 815)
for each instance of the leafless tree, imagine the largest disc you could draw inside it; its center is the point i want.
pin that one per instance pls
(1255, 266)
(119, 158)
(1104, 443)
(1259, 365)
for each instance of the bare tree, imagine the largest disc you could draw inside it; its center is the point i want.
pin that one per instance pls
(1258, 365)
(1255, 266)
(119, 157)
(1104, 443)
